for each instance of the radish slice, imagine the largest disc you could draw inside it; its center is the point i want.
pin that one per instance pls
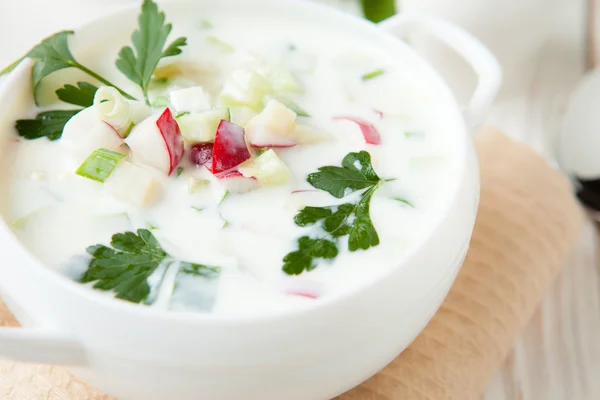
(230, 149)
(235, 182)
(262, 139)
(201, 154)
(157, 142)
(302, 294)
(370, 133)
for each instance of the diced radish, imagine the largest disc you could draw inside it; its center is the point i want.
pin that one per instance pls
(193, 99)
(268, 169)
(272, 127)
(263, 139)
(201, 154)
(133, 184)
(157, 142)
(230, 149)
(235, 182)
(201, 127)
(370, 133)
(86, 132)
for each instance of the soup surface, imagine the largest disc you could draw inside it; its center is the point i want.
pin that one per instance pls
(278, 163)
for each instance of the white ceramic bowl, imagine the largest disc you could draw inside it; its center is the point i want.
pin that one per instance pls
(138, 353)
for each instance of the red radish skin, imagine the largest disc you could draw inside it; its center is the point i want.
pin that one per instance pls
(201, 154)
(378, 113)
(370, 133)
(235, 182)
(302, 294)
(281, 145)
(230, 149)
(304, 191)
(114, 130)
(172, 137)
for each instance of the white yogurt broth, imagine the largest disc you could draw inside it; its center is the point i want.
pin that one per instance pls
(57, 214)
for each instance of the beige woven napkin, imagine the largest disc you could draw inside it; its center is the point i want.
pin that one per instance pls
(527, 224)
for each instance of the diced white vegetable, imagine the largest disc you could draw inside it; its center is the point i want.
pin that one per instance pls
(193, 99)
(201, 127)
(241, 115)
(307, 134)
(157, 142)
(275, 120)
(86, 132)
(245, 88)
(268, 169)
(195, 183)
(113, 109)
(134, 185)
(234, 182)
(281, 78)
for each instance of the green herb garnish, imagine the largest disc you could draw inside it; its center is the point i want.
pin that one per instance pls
(49, 124)
(80, 95)
(178, 172)
(149, 42)
(378, 10)
(372, 75)
(52, 55)
(404, 201)
(100, 164)
(223, 46)
(126, 266)
(350, 219)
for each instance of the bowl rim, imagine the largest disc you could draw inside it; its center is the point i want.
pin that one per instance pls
(210, 319)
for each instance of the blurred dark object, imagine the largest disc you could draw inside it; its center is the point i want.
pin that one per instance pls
(589, 193)
(378, 10)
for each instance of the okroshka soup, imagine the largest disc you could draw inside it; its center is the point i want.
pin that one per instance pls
(233, 172)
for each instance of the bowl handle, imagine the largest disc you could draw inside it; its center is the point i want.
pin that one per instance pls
(484, 63)
(41, 346)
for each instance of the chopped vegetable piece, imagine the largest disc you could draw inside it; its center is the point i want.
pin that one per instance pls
(127, 264)
(268, 169)
(291, 104)
(272, 127)
(235, 182)
(192, 99)
(194, 184)
(230, 149)
(157, 142)
(80, 95)
(99, 165)
(160, 102)
(373, 74)
(245, 88)
(404, 201)
(221, 45)
(86, 132)
(49, 124)
(113, 109)
(378, 10)
(370, 133)
(309, 250)
(179, 172)
(149, 42)
(202, 127)
(201, 154)
(241, 115)
(133, 184)
(281, 78)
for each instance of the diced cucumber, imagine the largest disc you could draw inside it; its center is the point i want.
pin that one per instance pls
(100, 164)
(245, 87)
(289, 103)
(241, 115)
(202, 127)
(268, 169)
(192, 99)
(281, 78)
(133, 184)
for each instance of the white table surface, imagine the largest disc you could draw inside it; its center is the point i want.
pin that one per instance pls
(558, 356)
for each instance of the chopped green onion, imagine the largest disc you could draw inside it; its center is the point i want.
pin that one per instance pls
(179, 171)
(414, 135)
(373, 74)
(226, 195)
(198, 209)
(160, 101)
(152, 227)
(181, 114)
(225, 47)
(206, 24)
(100, 164)
(404, 201)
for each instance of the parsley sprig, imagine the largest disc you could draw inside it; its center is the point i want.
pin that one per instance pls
(149, 42)
(349, 219)
(126, 267)
(53, 54)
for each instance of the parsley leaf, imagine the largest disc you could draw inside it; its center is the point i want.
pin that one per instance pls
(356, 173)
(48, 124)
(309, 249)
(352, 220)
(80, 95)
(149, 42)
(126, 267)
(53, 54)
